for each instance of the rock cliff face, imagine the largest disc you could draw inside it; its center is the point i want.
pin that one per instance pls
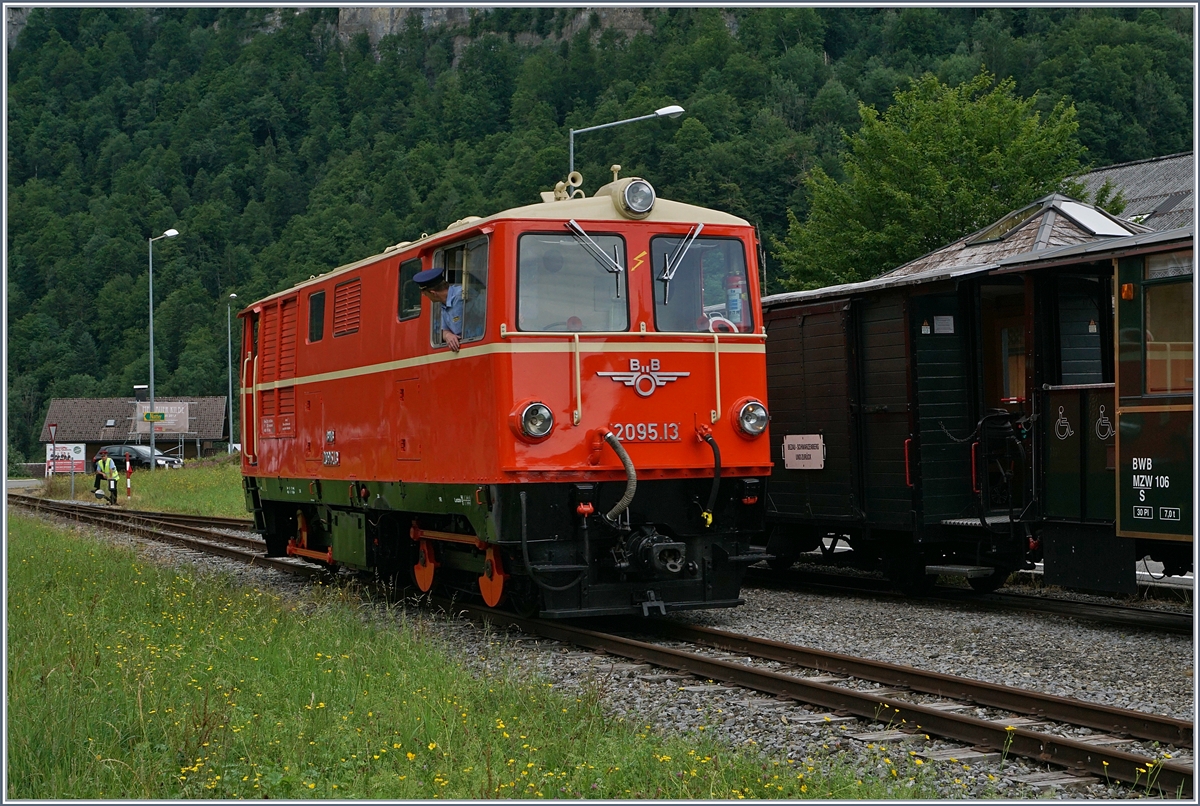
(14, 21)
(380, 22)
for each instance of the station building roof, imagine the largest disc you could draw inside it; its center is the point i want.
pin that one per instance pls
(1159, 192)
(110, 419)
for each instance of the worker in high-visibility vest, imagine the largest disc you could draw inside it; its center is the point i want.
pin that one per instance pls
(107, 468)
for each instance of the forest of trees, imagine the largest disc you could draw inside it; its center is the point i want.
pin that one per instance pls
(278, 150)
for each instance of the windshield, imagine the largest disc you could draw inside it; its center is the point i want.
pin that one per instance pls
(708, 291)
(561, 285)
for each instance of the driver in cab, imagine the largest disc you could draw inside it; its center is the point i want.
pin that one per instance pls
(433, 285)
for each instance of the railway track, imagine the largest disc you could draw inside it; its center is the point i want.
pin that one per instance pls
(177, 530)
(1015, 736)
(1113, 615)
(1099, 755)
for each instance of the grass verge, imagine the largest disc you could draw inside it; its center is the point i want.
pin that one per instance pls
(127, 680)
(203, 487)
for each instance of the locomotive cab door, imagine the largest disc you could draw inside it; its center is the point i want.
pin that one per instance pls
(249, 376)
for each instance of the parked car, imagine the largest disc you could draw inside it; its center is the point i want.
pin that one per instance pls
(139, 455)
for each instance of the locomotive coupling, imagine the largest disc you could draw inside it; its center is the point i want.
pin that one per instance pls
(656, 554)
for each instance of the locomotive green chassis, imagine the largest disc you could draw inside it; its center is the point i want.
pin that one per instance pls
(371, 532)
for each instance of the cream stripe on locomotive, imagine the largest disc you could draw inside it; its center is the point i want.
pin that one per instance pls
(704, 348)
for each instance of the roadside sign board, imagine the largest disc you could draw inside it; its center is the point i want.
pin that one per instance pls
(167, 418)
(66, 457)
(53, 430)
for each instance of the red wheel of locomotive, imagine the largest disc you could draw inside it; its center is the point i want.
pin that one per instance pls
(426, 565)
(491, 582)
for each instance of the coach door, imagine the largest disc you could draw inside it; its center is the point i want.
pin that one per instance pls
(944, 407)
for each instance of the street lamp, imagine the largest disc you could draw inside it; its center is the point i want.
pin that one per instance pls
(672, 111)
(229, 343)
(171, 233)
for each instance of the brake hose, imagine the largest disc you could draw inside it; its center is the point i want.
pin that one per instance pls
(712, 496)
(630, 475)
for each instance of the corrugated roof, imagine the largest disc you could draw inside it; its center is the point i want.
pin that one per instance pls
(1052, 222)
(1158, 192)
(84, 419)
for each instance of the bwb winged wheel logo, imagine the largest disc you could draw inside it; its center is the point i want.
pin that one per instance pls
(644, 378)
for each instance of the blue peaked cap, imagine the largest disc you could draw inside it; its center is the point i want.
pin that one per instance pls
(428, 277)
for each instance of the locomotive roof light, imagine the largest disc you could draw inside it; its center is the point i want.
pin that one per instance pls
(752, 417)
(537, 420)
(639, 196)
(633, 197)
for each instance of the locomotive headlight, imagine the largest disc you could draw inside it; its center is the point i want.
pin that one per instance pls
(639, 196)
(633, 197)
(752, 418)
(537, 420)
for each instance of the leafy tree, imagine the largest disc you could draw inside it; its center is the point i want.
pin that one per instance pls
(940, 163)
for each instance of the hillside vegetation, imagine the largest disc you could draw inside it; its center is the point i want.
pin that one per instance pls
(279, 149)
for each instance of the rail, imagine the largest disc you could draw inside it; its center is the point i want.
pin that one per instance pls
(1169, 776)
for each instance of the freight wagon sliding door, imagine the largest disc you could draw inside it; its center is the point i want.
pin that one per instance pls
(808, 374)
(883, 413)
(944, 410)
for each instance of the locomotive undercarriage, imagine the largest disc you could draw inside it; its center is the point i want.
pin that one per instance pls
(545, 549)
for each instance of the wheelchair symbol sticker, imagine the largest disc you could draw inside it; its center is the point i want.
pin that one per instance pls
(1104, 428)
(1062, 428)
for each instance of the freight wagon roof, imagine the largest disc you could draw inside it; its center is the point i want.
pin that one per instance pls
(1182, 236)
(1050, 224)
(592, 208)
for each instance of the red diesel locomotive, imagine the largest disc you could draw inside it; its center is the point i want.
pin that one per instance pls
(597, 445)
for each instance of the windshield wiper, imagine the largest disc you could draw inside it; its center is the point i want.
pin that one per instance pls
(610, 264)
(671, 262)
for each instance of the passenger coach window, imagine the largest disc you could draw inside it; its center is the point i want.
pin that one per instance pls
(316, 316)
(1168, 324)
(465, 265)
(701, 286)
(563, 286)
(410, 294)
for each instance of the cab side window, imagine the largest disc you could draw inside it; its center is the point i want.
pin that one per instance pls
(409, 304)
(465, 265)
(316, 316)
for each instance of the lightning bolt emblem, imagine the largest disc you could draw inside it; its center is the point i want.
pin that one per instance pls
(637, 261)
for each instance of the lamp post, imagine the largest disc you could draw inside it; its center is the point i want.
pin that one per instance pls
(171, 233)
(229, 343)
(672, 111)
